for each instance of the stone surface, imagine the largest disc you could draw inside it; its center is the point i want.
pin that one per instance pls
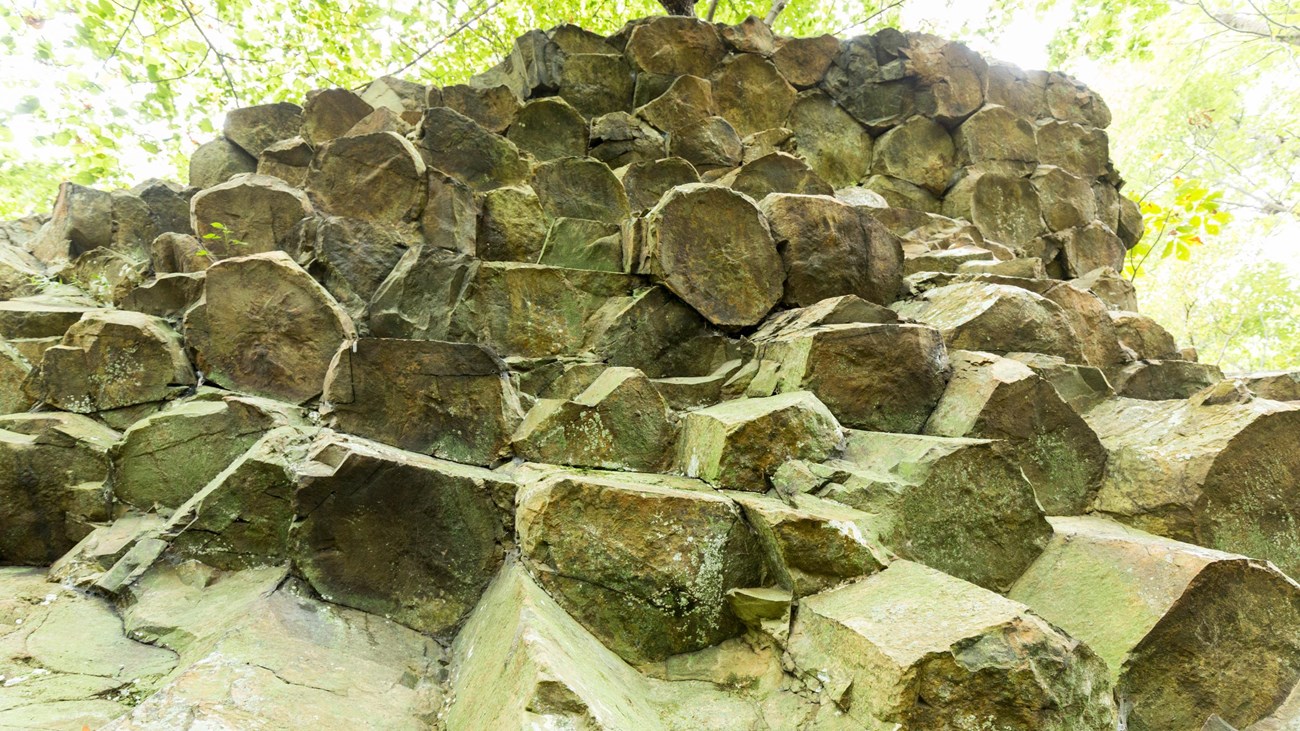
(1156, 380)
(1145, 338)
(376, 177)
(919, 151)
(511, 225)
(247, 215)
(646, 182)
(775, 172)
(258, 127)
(675, 46)
(493, 107)
(620, 578)
(1219, 476)
(737, 445)
(450, 400)
(215, 162)
(712, 247)
(709, 144)
(1005, 208)
(836, 147)
(351, 257)
(689, 99)
(580, 188)
(996, 139)
(914, 647)
(330, 113)
(266, 327)
(442, 531)
(957, 505)
(549, 128)
(459, 146)
(108, 360)
(991, 397)
(996, 318)
(1142, 604)
(751, 94)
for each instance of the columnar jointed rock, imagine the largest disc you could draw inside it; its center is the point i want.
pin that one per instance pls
(1186, 631)
(248, 214)
(266, 327)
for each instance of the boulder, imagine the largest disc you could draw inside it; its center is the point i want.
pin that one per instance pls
(919, 151)
(655, 332)
(1114, 290)
(1156, 380)
(676, 46)
(871, 83)
(914, 647)
(215, 162)
(737, 445)
(712, 247)
(1277, 385)
(775, 172)
(579, 243)
(258, 127)
(417, 298)
(266, 327)
(287, 160)
(596, 83)
(108, 360)
(885, 377)
(375, 177)
(901, 194)
(53, 466)
(407, 98)
(1080, 150)
(1142, 604)
(450, 400)
(1006, 209)
(82, 220)
(14, 368)
(996, 139)
(558, 673)
(835, 146)
(249, 214)
(619, 422)
(459, 146)
(689, 99)
(1081, 386)
(999, 398)
(709, 144)
(1145, 338)
(450, 214)
(1066, 199)
(351, 257)
(1086, 248)
(577, 187)
(511, 225)
(40, 317)
(618, 139)
(549, 128)
(493, 107)
(168, 456)
(643, 562)
(646, 182)
(443, 532)
(751, 94)
(961, 506)
(997, 318)
(804, 61)
(330, 113)
(1222, 476)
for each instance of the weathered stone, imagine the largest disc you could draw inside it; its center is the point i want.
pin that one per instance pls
(944, 260)
(266, 327)
(712, 247)
(557, 672)
(52, 681)
(884, 377)
(53, 466)
(844, 310)
(622, 578)
(619, 422)
(1098, 339)
(1070, 100)
(511, 226)
(996, 318)
(258, 127)
(1089, 247)
(549, 128)
(1066, 199)
(830, 139)
(82, 220)
(1006, 209)
(1143, 336)
(493, 107)
(381, 120)
(178, 253)
(999, 398)
(1078, 150)
(417, 298)
(737, 445)
(407, 98)
(1156, 380)
(1219, 476)
(619, 138)
(330, 113)
(450, 217)
(1081, 386)
(351, 258)
(751, 94)
(442, 532)
(14, 368)
(106, 275)
(762, 144)
(708, 144)
(751, 35)
(215, 162)
(813, 544)
(902, 194)
(108, 360)
(919, 151)
(579, 243)
(375, 177)
(39, 317)
(170, 455)
(1277, 385)
(676, 46)
(596, 83)
(450, 400)
(913, 647)
(874, 90)
(1143, 603)
(684, 393)
(803, 61)
(646, 182)
(248, 214)
(287, 160)
(996, 139)
(580, 188)
(688, 100)
(459, 146)
(656, 332)
(776, 172)
(1131, 223)
(958, 505)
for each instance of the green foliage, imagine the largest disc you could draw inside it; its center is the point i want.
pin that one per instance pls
(1193, 212)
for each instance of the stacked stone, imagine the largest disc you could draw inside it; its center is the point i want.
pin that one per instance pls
(690, 377)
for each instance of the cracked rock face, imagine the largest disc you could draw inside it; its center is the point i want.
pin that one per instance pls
(691, 377)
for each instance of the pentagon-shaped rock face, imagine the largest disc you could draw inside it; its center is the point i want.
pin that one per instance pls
(647, 594)
(443, 532)
(1143, 603)
(266, 327)
(915, 647)
(712, 247)
(377, 177)
(247, 215)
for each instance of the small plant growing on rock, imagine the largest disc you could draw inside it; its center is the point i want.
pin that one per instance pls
(220, 233)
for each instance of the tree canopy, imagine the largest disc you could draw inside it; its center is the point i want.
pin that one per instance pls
(1205, 92)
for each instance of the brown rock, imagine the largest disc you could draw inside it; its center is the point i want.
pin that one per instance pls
(249, 214)
(708, 144)
(330, 113)
(549, 128)
(646, 182)
(751, 94)
(258, 127)
(919, 151)
(577, 187)
(996, 318)
(675, 45)
(836, 147)
(803, 61)
(493, 107)
(375, 177)
(215, 162)
(459, 146)
(775, 172)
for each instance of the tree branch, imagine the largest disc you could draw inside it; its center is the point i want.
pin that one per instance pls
(713, 8)
(1260, 27)
(122, 36)
(448, 36)
(221, 57)
(777, 7)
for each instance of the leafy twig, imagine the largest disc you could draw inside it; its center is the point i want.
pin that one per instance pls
(221, 57)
